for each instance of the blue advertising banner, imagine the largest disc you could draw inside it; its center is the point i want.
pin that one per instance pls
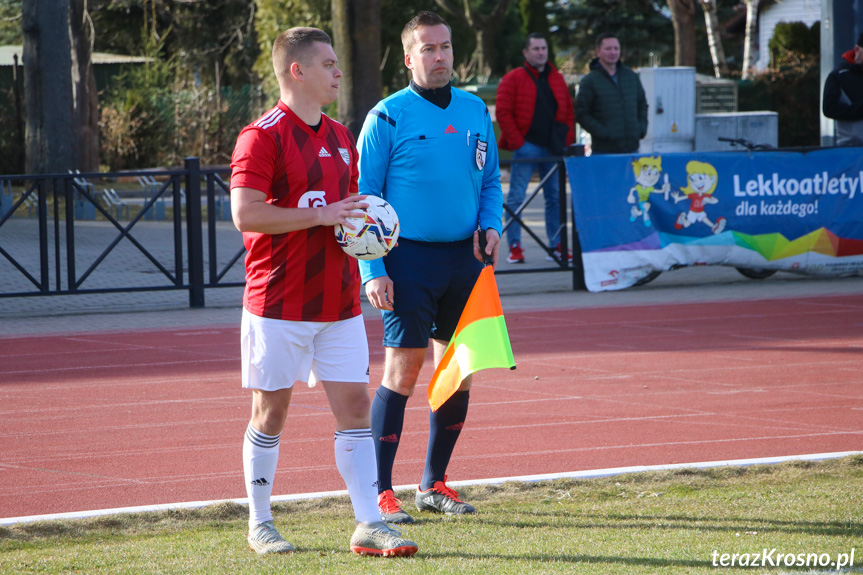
(792, 211)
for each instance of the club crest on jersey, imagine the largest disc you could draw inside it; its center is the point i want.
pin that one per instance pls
(346, 156)
(481, 148)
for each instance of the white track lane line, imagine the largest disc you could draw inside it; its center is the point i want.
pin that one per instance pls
(610, 472)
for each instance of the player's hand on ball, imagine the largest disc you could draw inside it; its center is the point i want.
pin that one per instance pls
(374, 234)
(339, 212)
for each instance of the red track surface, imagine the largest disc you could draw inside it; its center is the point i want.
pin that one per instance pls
(105, 420)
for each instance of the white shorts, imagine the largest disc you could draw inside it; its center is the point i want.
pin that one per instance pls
(696, 216)
(276, 353)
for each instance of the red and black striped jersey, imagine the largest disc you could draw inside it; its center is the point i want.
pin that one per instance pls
(302, 275)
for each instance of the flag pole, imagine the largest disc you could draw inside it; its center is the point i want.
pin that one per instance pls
(487, 259)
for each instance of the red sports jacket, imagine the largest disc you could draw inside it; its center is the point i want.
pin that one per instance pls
(516, 99)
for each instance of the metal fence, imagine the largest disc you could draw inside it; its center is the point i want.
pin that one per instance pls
(151, 230)
(75, 218)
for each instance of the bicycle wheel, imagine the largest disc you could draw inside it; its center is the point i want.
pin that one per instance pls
(647, 279)
(756, 273)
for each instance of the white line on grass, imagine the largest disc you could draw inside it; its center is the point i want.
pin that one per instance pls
(590, 474)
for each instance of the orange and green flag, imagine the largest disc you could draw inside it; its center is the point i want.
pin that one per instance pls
(480, 341)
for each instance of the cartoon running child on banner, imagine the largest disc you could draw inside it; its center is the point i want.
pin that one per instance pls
(701, 178)
(647, 170)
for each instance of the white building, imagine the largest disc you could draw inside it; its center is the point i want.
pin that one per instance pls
(806, 11)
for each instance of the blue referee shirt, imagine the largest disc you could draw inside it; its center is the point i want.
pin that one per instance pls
(437, 167)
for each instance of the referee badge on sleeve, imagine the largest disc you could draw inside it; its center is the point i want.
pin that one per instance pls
(481, 147)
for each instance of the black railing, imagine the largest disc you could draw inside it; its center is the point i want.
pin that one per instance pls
(67, 205)
(562, 262)
(75, 201)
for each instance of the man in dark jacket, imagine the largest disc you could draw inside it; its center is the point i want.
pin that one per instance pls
(534, 111)
(610, 103)
(843, 97)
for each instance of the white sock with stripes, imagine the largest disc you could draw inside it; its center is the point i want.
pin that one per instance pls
(355, 459)
(260, 458)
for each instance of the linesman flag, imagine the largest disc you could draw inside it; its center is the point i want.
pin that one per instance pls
(480, 341)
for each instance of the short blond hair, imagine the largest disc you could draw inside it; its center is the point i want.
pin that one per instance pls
(295, 45)
(646, 161)
(424, 18)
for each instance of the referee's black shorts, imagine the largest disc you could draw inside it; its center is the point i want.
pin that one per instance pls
(431, 285)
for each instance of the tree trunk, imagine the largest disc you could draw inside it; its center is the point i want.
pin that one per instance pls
(534, 17)
(84, 91)
(18, 88)
(751, 35)
(485, 53)
(714, 40)
(357, 39)
(485, 27)
(50, 134)
(683, 19)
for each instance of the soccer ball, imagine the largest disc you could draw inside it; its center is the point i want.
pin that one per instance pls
(374, 235)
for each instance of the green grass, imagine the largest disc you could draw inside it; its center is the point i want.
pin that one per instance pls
(661, 522)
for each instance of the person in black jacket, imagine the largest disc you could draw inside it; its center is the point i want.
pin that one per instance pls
(610, 103)
(843, 97)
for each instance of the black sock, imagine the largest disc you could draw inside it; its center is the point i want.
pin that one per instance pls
(388, 416)
(444, 428)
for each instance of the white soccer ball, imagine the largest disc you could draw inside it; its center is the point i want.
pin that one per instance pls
(374, 235)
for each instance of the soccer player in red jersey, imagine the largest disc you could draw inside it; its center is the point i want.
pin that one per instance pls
(294, 176)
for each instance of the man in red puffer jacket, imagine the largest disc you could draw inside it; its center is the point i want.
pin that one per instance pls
(536, 117)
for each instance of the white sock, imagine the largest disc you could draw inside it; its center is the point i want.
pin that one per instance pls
(260, 458)
(355, 459)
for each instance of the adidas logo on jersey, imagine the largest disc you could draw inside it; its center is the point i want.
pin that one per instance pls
(450, 130)
(324, 153)
(260, 482)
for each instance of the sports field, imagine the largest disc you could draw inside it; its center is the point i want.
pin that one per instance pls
(99, 420)
(798, 517)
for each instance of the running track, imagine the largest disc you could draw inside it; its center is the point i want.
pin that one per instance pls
(101, 420)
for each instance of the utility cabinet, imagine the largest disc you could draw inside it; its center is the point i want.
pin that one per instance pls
(760, 127)
(670, 93)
